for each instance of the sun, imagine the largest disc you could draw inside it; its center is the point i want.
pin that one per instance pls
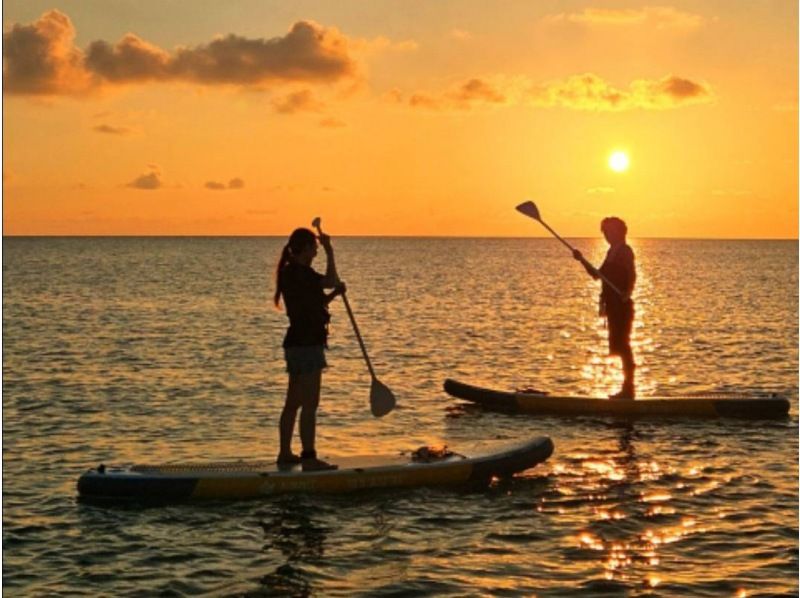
(619, 161)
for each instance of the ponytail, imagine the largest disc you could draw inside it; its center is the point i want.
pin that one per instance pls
(284, 259)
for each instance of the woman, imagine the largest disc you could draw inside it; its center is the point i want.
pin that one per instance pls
(306, 340)
(619, 267)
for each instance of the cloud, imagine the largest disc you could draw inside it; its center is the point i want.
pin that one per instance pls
(384, 44)
(600, 190)
(111, 130)
(464, 96)
(41, 58)
(577, 92)
(658, 17)
(309, 52)
(394, 95)
(422, 100)
(235, 183)
(298, 101)
(590, 92)
(148, 182)
(460, 35)
(477, 90)
(332, 123)
(130, 60)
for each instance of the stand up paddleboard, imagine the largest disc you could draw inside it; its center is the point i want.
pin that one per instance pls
(711, 405)
(242, 479)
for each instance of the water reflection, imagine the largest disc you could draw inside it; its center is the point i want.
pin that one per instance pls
(615, 511)
(300, 539)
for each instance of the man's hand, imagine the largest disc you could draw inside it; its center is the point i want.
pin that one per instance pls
(577, 255)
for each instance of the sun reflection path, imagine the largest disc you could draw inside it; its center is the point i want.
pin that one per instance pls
(620, 555)
(635, 520)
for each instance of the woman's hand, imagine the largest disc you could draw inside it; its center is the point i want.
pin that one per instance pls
(338, 289)
(325, 241)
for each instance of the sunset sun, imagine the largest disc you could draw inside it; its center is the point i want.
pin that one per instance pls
(619, 161)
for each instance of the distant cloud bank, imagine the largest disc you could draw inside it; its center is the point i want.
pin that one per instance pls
(660, 17)
(41, 58)
(298, 101)
(147, 182)
(235, 183)
(578, 92)
(111, 130)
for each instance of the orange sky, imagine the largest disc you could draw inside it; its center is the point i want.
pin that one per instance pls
(404, 117)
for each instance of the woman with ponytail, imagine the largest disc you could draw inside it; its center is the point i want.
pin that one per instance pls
(302, 289)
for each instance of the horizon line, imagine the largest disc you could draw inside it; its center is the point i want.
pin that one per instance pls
(358, 236)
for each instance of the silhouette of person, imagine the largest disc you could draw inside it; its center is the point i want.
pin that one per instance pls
(620, 269)
(302, 289)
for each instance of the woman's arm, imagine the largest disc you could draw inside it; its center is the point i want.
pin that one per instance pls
(331, 277)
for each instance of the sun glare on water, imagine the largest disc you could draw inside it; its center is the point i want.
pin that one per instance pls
(619, 162)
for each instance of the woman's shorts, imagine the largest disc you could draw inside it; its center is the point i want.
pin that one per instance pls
(305, 360)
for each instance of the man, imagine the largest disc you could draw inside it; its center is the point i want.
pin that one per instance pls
(619, 269)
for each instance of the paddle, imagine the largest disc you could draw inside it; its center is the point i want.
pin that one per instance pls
(381, 399)
(529, 209)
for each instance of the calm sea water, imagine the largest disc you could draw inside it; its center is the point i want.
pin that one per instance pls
(120, 350)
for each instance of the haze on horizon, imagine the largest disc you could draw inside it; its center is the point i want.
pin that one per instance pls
(404, 117)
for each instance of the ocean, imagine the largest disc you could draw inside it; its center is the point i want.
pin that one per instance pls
(123, 350)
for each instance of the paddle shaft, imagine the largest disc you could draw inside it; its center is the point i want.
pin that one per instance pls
(600, 274)
(318, 226)
(358, 335)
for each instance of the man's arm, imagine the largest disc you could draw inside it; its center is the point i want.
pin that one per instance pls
(590, 270)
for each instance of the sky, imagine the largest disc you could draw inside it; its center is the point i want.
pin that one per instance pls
(400, 117)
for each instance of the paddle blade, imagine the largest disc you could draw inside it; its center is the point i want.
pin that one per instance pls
(317, 222)
(381, 399)
(529, 209)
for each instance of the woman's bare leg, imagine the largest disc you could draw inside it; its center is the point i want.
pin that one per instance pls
(311, 384)
(294, 400)
(308, 422)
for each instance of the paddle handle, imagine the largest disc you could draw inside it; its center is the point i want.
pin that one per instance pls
(358, 335)
(571, 248)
